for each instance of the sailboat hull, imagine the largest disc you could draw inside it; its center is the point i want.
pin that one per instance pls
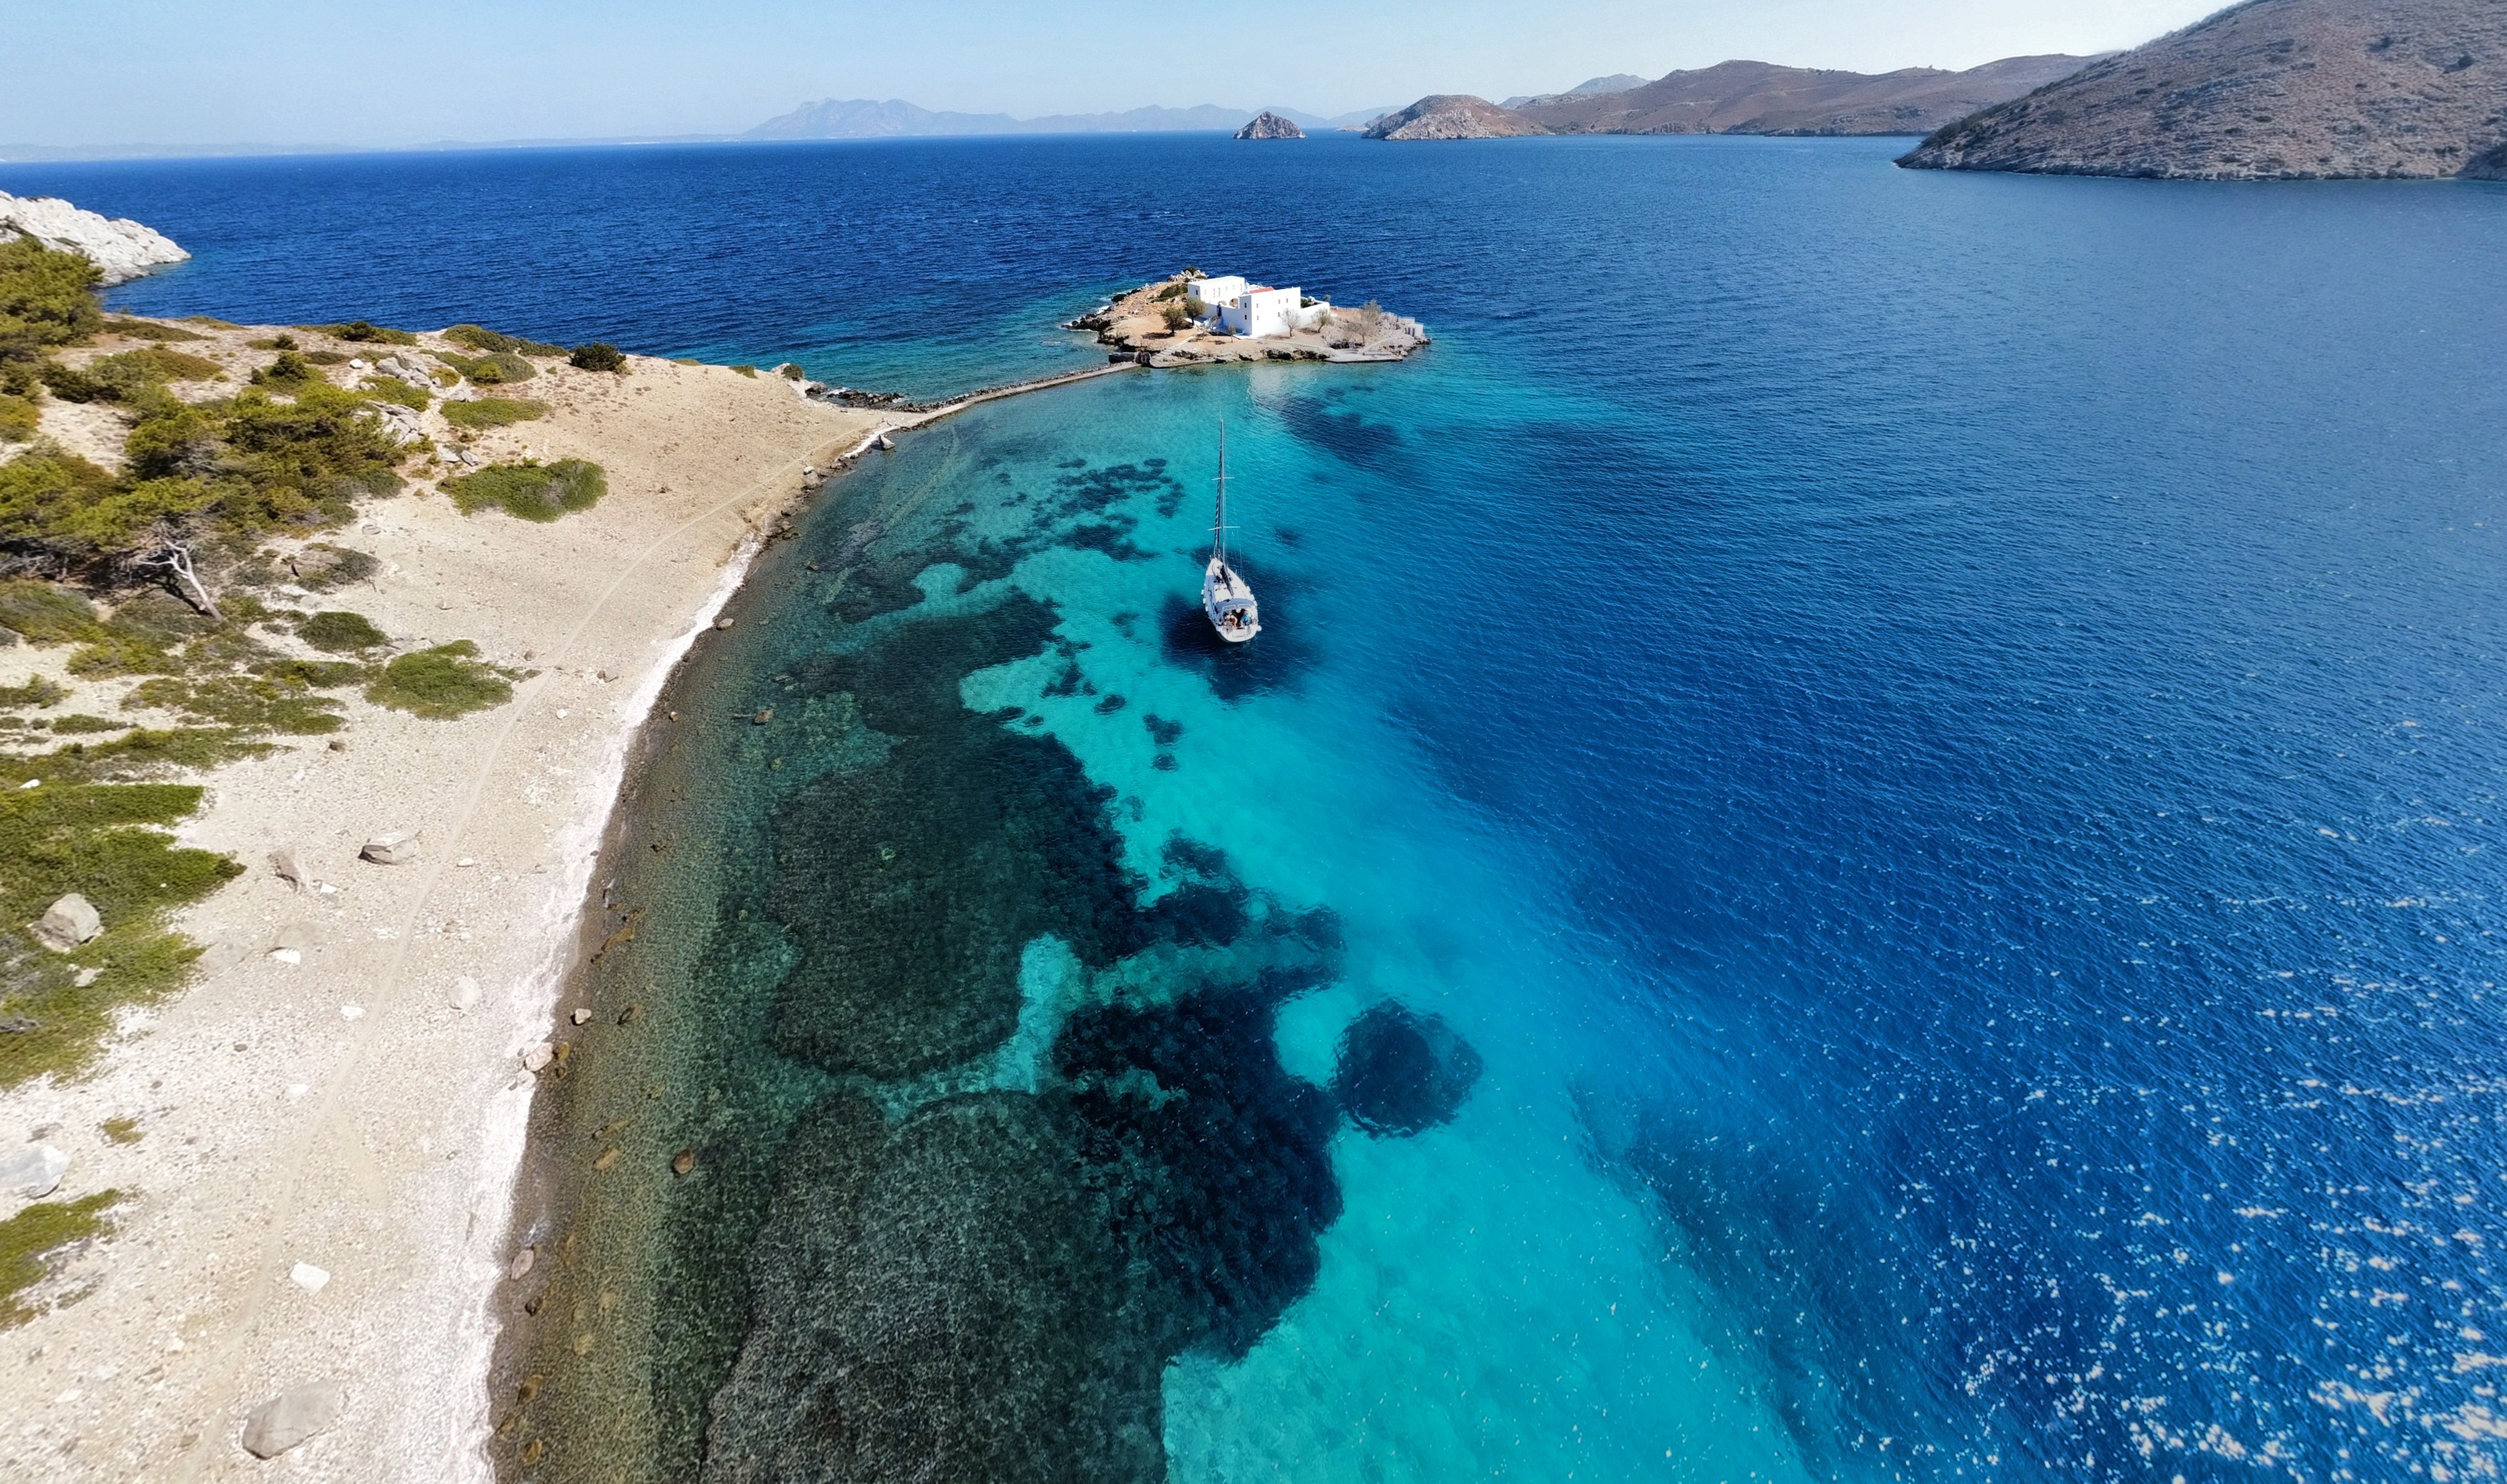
(1229, 603)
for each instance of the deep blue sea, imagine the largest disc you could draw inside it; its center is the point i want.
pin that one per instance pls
(1937, 738)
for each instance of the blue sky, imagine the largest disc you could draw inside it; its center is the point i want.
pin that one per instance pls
(108, 72)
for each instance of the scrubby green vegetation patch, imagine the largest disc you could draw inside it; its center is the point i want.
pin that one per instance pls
(492, 368)
(481, 338)
(107, 842)
(335, 631)
(447, 681)
(531, 490)
(493, 411)
(40, 1232)
(145, 329)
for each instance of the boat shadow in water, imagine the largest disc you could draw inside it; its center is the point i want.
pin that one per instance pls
(1276, 660)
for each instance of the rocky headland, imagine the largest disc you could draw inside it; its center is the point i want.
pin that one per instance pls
(122, 250)
(2270, 89)
(1270, 126)
(1453, 116)
(1154, 324)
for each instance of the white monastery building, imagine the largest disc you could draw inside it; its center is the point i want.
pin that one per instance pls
(1257, 311)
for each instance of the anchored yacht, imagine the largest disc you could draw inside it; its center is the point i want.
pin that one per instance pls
(1224, 596)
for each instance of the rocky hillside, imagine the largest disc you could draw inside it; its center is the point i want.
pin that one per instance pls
(2270, 89)
(1744, 97)
(121, 248)
(1270, 126)
(1453, 116)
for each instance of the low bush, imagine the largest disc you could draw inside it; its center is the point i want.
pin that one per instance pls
(600, 356)
(148, 329)
(47, 298)
(328, 357)
(290, 370)
(19, 418)
(80, 724)
(337, 632)
(212, 321)
(746, 371)
(493, 411)
(394, 389)
(443, 682)
(256, 702)
(792, 371)
(34, 1232)
(45, 612)
(481, 338)
(361, 332)
(531, 490)
(37, 692)
(490, 370)
(155, 363)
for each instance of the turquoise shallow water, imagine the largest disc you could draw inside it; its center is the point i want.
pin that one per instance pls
(1935, 738)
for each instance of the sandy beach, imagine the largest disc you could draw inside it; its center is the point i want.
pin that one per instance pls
(320, 1185)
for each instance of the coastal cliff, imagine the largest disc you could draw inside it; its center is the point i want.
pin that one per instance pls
(121, 248)
(2270, 89)
(1453, 116)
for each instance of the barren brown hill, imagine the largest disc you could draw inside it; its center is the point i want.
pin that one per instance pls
(2270, 89)
(1744, 97)
(1452, 116)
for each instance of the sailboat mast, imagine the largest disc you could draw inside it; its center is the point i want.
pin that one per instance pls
(1219, 530)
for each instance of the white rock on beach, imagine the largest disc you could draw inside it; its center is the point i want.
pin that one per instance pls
(33, 1172)
(122, 248)
(397, 848)
(290, 1418)
(68, 922)
(307, 1277)
(465, 992)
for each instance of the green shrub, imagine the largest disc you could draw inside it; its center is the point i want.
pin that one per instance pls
(746, 371)
(47, 298)
(600, 356)
(443, 682)
(257, 703)
(360, 331)
(19, 418)
(279, 341)
(531, 490)
(80, 724)
(71, 384)
(291, 370)
(41, 1229)
(37, 692)
(212, 321)
(491, 370)
(154, 364)
(336, 632)
(481, 338)
(1177, 316)
(790, 371)
(1171, 291)
(46, 613)
(394, 389)
(146, 329)
(328, 357)
(493, 411)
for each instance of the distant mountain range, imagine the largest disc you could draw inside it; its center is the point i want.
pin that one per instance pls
(2270, 89)
(897, 118)
(1736, 97)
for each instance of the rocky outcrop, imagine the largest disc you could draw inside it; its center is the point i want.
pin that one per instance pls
(124, 249)
(1745, 97)
(1453, 116)
(1267, 124)
(2270, 89)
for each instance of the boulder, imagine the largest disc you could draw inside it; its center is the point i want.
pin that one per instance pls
(68, 922)
(290, 1418)
(283, 864)
(34, 1171)
(397, 849)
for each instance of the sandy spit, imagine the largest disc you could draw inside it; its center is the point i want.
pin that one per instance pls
(326, 1150)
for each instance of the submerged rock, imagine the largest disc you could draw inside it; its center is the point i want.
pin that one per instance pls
(1401, 1072)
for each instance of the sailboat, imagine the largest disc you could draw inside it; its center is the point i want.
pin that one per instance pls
(1224, 596)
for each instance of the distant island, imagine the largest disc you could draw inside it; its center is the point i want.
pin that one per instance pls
(2270, 89)
(1736, 97)
(897, 118)
(1270, 126)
